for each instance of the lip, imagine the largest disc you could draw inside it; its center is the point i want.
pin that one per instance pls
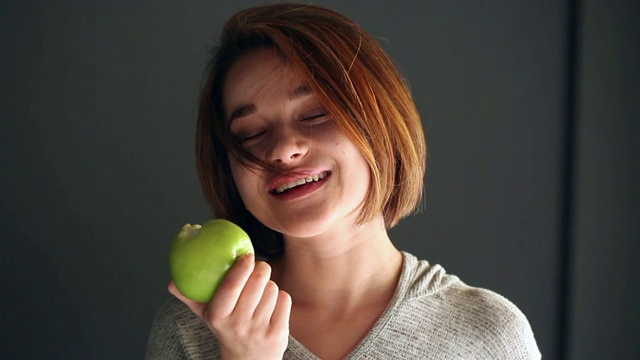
(281, 180)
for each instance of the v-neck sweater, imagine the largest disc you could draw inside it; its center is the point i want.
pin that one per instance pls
(432, 315)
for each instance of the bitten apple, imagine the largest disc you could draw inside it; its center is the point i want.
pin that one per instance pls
(201, 255)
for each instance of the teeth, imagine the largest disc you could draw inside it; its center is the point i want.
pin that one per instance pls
(311, 178)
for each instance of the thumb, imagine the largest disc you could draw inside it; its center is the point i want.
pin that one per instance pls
(197, 307)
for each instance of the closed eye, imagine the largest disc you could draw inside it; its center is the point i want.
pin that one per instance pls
(315, 117)
(244, 138)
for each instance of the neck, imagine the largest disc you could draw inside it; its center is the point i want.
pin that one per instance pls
(341, 271)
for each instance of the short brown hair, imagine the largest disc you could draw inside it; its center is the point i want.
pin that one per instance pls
(354, 79)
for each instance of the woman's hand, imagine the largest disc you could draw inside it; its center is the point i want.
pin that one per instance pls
(248, 314)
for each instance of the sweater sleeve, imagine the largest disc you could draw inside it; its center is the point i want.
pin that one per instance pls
(164, 339)
(177, 333)
(506, 333)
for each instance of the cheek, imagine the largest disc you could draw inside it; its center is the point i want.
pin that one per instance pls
(239, 174)
(246, 179)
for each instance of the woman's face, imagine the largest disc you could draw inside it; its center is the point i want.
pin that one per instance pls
(324, 178)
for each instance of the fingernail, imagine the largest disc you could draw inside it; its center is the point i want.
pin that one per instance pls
(249, 257)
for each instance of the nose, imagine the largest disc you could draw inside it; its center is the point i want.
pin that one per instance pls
(287, 146)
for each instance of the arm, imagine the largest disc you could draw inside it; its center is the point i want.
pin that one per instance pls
(165, 341)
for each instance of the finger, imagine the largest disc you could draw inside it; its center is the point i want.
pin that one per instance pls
(282, 312)
(264, 309)
(196, 307)
(226, 297)
(253, 290)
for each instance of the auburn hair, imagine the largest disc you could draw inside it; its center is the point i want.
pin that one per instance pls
(357, 83)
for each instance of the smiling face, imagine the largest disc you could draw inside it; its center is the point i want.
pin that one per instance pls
(324, 178)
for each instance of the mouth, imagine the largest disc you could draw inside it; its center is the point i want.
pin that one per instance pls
(288, 186)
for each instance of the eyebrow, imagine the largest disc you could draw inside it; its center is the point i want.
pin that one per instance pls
(245, 110)
(300, 91)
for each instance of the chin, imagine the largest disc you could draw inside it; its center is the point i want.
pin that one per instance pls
(299, 228)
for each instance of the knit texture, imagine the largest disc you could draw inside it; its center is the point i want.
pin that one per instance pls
(433, 315)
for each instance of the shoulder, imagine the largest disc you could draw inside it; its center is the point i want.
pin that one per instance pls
(177, 333)
(468, 320)
(493, 321)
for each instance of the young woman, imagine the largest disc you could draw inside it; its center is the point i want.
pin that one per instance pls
(309, 139)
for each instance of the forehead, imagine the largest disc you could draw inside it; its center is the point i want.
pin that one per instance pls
(259, 74)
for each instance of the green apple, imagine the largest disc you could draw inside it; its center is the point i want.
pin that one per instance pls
(201, 255)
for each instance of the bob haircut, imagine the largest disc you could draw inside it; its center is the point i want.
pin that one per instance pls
(354, 79)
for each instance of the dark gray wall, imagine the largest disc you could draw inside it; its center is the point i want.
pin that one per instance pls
(605, 291)
(96, 137)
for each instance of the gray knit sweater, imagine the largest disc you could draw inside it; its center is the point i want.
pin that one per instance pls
(433, 315)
